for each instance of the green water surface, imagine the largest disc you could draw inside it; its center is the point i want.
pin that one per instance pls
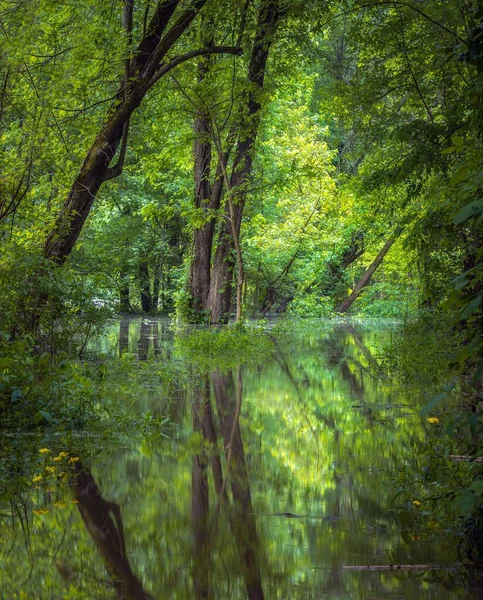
(272, 478)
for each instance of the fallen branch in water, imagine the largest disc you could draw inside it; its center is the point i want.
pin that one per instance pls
(397, 568)
(462, 457)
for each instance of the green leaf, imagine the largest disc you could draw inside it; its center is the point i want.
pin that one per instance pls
(460, 175)
(477, 486)
(457, 140)
(433, 403)
(460, 282)
(471, 307)
(46, 415)
(465, 213)
(6, 363)
(465, 503)
(478, 374)
(16, 395)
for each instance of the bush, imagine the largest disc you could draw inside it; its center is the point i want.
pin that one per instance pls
(310, 306)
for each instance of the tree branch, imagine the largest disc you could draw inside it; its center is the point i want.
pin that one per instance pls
(127, 19)
(116, 170)
(166, 68)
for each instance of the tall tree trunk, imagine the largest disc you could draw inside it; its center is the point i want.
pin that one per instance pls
(222, 273)
(124, 305)
(364, 280)
(156, 285)
(146, 68)
(199, 281)
(144, 285)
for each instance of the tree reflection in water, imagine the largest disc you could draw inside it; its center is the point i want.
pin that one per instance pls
(107, 534)
(228, 397)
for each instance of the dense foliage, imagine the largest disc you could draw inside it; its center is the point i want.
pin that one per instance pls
(220, 159)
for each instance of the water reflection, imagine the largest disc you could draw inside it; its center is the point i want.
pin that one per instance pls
(275, 477)
(103, 521)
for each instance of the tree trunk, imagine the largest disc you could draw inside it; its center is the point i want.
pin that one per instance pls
(156, 285)
(199, 281)
(144, 285)
(222, 273)
(364, 280)
(124, 305)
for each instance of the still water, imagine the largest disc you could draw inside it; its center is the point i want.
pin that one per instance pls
(272, 479)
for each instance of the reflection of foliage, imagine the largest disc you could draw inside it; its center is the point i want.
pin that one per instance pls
(437, 491)
(224, 348)
(420, 355)
(447, 485)
(321, 435)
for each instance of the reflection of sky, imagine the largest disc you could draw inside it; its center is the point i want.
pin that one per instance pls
(321, 435)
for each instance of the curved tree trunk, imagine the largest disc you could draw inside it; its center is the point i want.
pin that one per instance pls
(147, 67)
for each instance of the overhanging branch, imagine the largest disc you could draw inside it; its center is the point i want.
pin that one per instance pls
(177, 60)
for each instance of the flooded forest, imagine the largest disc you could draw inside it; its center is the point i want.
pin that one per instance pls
(241, 281)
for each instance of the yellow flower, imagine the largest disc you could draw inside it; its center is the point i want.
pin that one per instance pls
(37, 478)
(40, 511)
(416, 503)
(75, 501)
(50, 470)
(73, 459)
(44, 451)
(61, 456)
(433, 420)
(59, 504)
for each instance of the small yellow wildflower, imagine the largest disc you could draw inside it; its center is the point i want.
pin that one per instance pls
(59, 504)
(433, 420)
(44, 451)
(416, 503)
(37, 478)
(61, 456)
(50, 470)
(40, 511)
(73, 459)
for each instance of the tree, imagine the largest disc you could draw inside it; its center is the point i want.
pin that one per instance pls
(147, 66)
